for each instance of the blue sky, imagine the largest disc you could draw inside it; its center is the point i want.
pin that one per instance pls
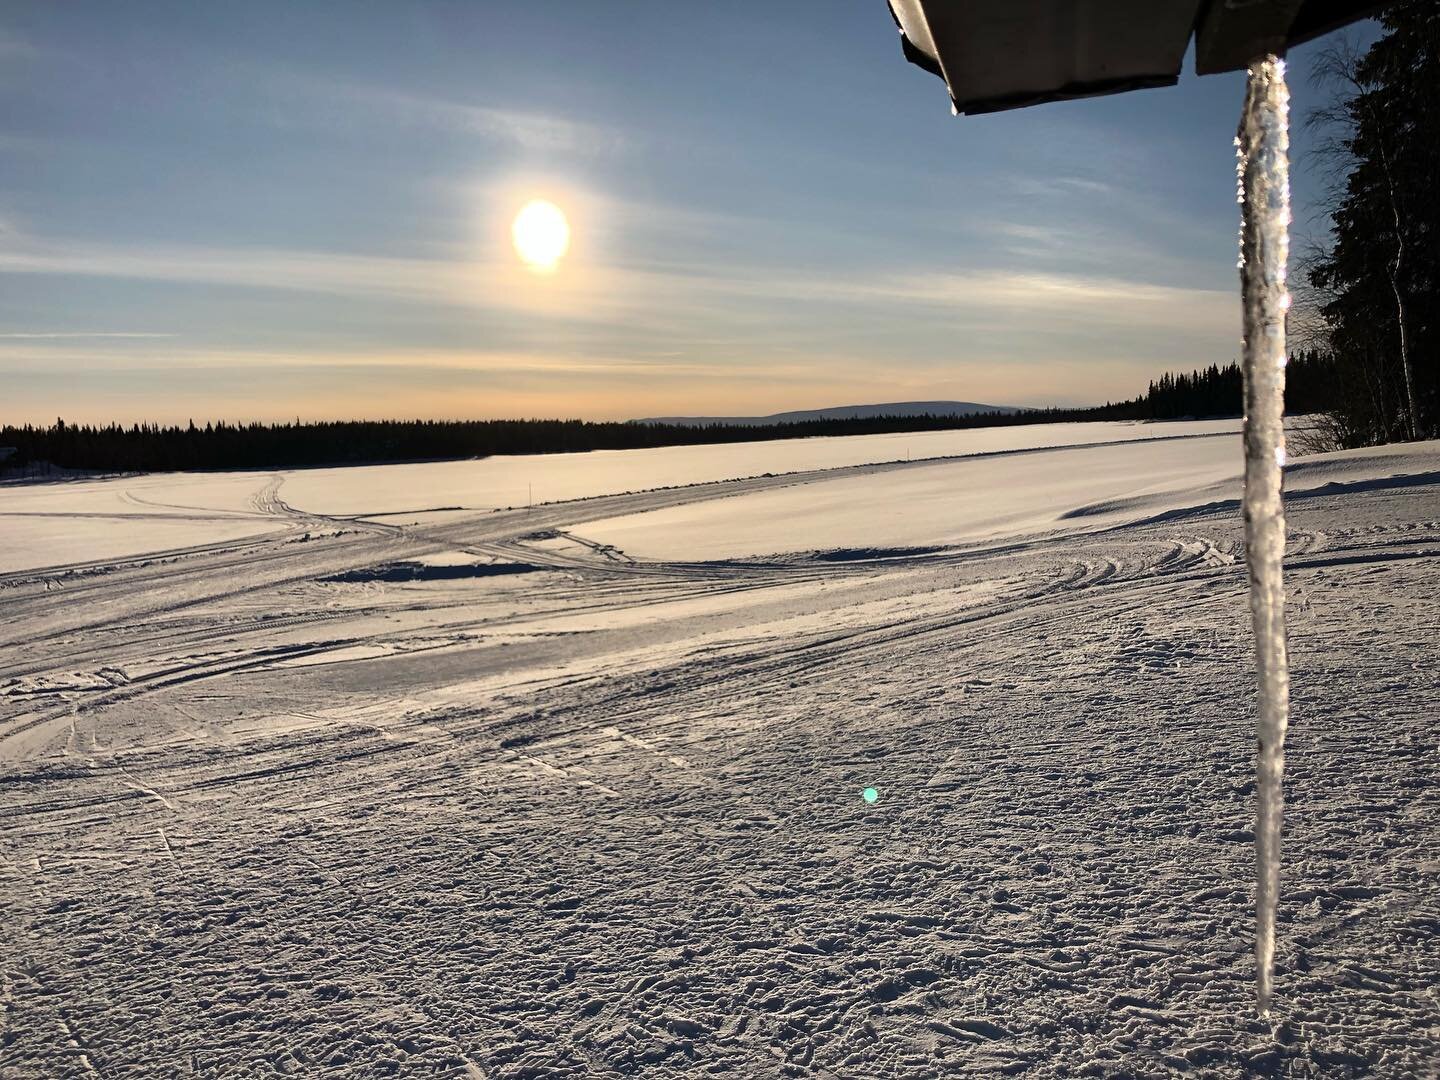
(270, 210)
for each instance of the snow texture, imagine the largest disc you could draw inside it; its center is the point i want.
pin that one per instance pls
(347, 796)
(146, 514)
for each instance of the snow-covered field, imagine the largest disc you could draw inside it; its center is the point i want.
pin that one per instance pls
(359, 771)
(149, 513)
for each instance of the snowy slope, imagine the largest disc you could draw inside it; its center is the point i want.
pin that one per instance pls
(53, 524)
(1003, 495)
(133, 515)
(577, 790)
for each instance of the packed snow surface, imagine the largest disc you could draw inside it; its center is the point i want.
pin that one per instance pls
(138, 515)
(862, 768)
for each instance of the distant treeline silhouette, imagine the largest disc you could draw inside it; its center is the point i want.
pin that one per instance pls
(1218, 391)
(155, 448)
(159, 448)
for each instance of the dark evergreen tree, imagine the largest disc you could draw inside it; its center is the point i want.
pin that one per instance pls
(1216, 391)
(1377, 284)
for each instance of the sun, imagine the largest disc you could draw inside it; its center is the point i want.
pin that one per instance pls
(541, 235)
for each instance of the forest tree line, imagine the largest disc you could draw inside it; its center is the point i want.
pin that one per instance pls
(157, 448)
(1220, 391)
(1214, 392)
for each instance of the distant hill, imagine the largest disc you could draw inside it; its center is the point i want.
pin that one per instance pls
(839, 412)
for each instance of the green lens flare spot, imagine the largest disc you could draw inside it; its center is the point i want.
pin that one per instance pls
(870, 794)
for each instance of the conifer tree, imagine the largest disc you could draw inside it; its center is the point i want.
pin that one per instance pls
(1378, 280)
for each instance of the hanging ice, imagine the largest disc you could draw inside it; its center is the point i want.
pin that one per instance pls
(1264, 175)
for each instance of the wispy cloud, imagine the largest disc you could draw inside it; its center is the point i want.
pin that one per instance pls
(66, 334)
(480, 361)
(1077, 296)
(23, 144)
(172, 386)
(1052, 186)
(662, 295)
(527, 129)
(13, 45)
(582, 294)
(301, 98)
(309, 271)
(1067, 298)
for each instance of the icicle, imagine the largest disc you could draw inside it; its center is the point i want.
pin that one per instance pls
(1264, 174)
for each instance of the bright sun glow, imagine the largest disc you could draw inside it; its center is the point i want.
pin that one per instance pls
(541, 235)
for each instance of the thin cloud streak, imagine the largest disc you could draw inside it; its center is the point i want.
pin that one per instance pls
(12, 45)
(616, 293)
(64, 334)
(49, 358)
(302, 98)
(450, 387)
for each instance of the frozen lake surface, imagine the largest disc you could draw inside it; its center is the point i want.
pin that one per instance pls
(135, 515)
